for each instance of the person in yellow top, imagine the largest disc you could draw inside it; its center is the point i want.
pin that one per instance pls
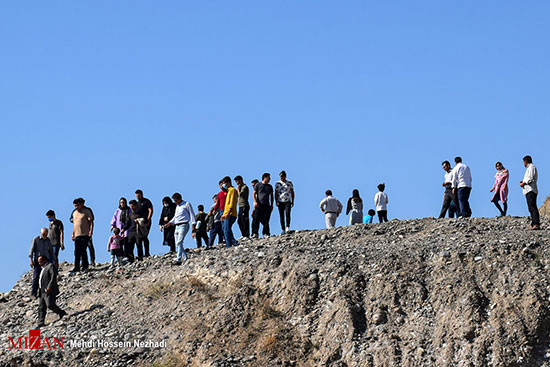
(230, 213)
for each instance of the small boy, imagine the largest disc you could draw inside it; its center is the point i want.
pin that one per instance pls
(115, 247)
(368, 218)
(381, 202)
(200, 228)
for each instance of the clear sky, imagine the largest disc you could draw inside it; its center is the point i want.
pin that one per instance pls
(100, 98)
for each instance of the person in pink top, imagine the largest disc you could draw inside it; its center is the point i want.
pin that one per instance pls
(500, 188)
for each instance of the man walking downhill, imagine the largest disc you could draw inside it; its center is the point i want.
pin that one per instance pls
(47, 286)
(244, 207)
(284, 199)
(183, 217)
(449, 198)
(462, 181)
(530, 190)
(83, 228)
(332, 208)
(40, 246)
(263, 205)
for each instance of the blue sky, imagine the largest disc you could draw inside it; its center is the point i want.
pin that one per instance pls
(101, 98)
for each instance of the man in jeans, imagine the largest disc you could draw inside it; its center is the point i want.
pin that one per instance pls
(83, 228)
(462, 183)
(263, 205)
(530, 190)
(184, 215)
(244, 207)
(230, 213)
(449, 199)
(56, 234)
(40, 246)
(90, 244)
(284, 199)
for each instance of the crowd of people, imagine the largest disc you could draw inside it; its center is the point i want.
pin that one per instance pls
(131, 221)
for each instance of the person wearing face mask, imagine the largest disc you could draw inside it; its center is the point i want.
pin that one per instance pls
(168, 212)
(40, 246)
(56, 234)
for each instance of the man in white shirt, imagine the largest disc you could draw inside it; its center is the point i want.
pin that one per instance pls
(449, 198)
(284, 199)
(184, 215)
(530, 190)
(332, 208)
(462, 187)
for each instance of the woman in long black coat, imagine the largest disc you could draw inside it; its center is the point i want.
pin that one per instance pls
(168, 212)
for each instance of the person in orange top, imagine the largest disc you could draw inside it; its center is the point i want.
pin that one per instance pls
(230, 213)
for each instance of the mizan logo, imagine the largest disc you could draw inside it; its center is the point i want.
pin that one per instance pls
(34, 341)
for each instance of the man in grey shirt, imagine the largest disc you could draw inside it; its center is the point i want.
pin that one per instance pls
(332, 208)
(40, 246)
(244, 207)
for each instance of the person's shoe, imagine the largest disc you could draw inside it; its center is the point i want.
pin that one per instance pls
(536, 227)
(287, 230)
(176, 262)
(254, 236)
(63, 314)
(40, 324)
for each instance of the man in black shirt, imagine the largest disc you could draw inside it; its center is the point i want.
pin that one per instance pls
(263, 205)
(145, 210)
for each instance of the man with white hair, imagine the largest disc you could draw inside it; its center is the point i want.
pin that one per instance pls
(40, 246)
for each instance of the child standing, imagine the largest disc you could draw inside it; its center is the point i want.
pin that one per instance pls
(381, 202)
(370, 217)
(115, 247)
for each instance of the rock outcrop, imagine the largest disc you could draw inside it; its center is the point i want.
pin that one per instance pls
(426, 292)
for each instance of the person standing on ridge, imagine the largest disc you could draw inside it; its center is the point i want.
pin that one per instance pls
(530, 190)
(83, 229)
(145, 206)
(355, 206)
(56, 234)
(462, 183)
(230, 213)
(381, 202)
(168, 211)
(332, 208)
(90, 245)
(450, 202)
(244, 207)
(263, 205)
(284, 199)
(501, 189)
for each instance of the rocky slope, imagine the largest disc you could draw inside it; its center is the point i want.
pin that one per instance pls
(545, 208)
(426, 292)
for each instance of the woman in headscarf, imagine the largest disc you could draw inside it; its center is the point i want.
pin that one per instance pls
(121, 220)
(168, 212)
(355, 206)
(500, 189)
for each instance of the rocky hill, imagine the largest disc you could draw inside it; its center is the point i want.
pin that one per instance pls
(426, 292)
(545, 208)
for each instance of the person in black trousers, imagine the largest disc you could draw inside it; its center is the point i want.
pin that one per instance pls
(530, 190)
(48, 290)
